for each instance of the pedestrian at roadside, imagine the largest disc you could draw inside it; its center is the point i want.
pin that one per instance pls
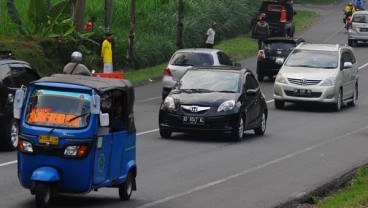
(210, 35)
(75, 66)
(106, 53)
(261, 29)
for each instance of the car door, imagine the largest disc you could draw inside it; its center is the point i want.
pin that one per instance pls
(347, 74)
(252, 109)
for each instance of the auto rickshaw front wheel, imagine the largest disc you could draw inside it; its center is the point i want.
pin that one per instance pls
(43, 194)
(126, 188)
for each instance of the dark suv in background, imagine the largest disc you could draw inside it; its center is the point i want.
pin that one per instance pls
(273, 48)
(13, 74)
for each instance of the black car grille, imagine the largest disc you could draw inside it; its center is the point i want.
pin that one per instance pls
(304, 81)
(311, 95)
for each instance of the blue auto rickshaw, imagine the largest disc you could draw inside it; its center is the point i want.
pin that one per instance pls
(77, 134)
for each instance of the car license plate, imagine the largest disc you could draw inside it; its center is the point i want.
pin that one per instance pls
(363, 29)
(302, 92)
(193, 120)
(44, 139)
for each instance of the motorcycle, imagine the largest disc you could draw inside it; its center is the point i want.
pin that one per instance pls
(347, 20)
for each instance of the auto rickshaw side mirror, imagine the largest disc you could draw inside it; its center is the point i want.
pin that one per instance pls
(104, 119)
(95, 104)
(18, 103)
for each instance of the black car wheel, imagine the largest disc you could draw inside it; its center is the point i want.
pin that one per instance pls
(260, 77)
(126, 188)
(350, 43)
(12, 135)
(165, 133)
(238, 132)
(279, 104)
(262, 128)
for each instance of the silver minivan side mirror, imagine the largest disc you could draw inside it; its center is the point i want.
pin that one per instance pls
(347, 65)
(279, 61)
(18, 103)
(104, 119)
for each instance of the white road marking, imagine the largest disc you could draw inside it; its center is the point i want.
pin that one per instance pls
(236, 175)
(147, 132)
(8, 163)
(333, 34)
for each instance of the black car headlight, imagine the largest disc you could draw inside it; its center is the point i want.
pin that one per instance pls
(169, 103)
(226, 106)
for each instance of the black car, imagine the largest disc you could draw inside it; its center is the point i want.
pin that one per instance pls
(214, 99)
(13, 75)
(273, 48)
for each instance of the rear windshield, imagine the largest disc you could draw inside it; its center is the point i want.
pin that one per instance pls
(360, 18)
(279, 45)
(192, 59)
(313, 59)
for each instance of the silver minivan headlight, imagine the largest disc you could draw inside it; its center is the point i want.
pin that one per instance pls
(328, 81)
(280, 79)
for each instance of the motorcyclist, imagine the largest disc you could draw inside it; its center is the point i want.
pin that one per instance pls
(75, 66)
(348, 11)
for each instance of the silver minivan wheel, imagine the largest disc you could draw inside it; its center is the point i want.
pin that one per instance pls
(338, 103)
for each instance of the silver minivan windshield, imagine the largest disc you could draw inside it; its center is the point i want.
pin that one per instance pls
(313, 59)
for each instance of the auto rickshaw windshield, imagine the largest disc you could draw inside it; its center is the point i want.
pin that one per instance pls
(58, 109)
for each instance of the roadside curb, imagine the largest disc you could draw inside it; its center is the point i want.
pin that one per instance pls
(306, 200)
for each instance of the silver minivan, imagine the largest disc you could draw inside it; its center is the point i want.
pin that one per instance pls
(358, 30)
(321, 73)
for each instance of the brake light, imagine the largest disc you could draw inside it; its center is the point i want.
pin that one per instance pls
(283, 15)
(167, 71)
(261, 54)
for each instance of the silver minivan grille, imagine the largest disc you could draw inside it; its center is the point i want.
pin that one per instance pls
(304, 81)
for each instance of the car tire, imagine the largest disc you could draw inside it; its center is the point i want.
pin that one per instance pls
(238, 131)
(338, 104)
(126, 188)
(12, 135)
(165, 133)
(260, 77)
(279, 104)
(354, 97)
(262, 128)
(43, 194)
(350, 43)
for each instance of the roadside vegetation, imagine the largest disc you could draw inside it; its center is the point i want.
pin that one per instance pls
(354, 195)
(314, 2)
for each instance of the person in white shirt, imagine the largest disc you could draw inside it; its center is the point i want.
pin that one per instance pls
(210, 35)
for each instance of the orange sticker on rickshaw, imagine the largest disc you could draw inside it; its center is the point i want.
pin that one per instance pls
(36, 116)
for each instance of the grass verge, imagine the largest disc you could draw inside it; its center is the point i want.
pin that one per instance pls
(318, 2)
(353, 195)
(238, 48)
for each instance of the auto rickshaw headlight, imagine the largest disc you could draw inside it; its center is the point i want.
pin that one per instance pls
(75, 151)
(25, 146)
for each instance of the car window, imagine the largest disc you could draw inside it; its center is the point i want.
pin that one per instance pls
(250, 82)
(212, 81)
(346, 57)
(19, 75)
(360, 18)
(192, 59)
(5, 75)
(224, 59)
(312, 59)
(279, 45)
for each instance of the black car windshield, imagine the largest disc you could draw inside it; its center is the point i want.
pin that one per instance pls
(58, 109)
(209, 81)
(192, 59)
(279, 45)
(360, 18)
(313, 59)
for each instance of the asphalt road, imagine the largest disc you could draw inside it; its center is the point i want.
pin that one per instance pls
(304, 147)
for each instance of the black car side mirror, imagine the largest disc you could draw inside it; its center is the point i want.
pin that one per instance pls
(237, 64)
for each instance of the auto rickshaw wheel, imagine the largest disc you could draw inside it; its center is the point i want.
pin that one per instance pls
(42, 192)
(126, 189)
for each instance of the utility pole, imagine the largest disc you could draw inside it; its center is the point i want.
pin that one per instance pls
(108, 14)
